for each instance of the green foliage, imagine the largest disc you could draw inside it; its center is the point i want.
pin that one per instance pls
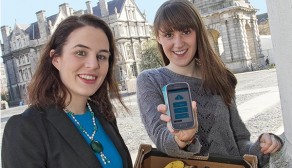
(151, 57)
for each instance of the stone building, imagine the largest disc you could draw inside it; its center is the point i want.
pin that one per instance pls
(3, 79)
(22, 44)
(233, 32)
(263, 23)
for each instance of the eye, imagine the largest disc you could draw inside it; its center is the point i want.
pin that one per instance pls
(102, 57)
(168, 35)
(187, 31)
(80, 53)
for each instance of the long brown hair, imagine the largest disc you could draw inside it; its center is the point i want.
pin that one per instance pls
(181, 15)
(46, 87)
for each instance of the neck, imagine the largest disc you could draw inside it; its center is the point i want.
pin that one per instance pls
(77, 106)
(191, 71)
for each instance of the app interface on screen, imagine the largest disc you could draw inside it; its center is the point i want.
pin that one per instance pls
(179, 103)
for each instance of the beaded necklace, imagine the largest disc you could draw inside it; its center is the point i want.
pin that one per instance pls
(95, 145)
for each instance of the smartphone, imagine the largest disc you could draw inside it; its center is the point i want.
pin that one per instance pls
(177, 98)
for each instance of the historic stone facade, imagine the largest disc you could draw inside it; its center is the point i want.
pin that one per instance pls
(3, 79)
(263, 24)
(233, 32)
(22, 44)
(231, 24)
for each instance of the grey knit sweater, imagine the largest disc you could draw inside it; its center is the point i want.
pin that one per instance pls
(221, 131)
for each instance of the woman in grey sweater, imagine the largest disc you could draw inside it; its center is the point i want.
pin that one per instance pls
(188, 56)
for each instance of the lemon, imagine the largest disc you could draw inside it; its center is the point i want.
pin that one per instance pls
(175, 164)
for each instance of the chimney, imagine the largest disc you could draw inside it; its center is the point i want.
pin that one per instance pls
(41, 16)
(5, 30)
(65, 9)
(71, 11)
(42, 22)
(103, 8)
(89, 8)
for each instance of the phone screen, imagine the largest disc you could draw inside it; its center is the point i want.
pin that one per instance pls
(180, 105)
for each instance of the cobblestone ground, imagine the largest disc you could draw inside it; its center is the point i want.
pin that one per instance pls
(259, 87)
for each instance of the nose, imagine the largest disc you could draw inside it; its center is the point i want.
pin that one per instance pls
(92, 62)
(178, 41)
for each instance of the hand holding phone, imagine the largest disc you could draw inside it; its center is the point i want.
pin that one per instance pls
(177, 98)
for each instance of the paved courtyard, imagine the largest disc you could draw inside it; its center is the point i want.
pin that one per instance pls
(257, 98)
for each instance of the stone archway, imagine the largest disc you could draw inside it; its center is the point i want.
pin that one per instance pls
(232, 31)
(215, 40)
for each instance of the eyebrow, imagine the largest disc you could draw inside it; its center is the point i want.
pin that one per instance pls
(80, 45)
(83, 46)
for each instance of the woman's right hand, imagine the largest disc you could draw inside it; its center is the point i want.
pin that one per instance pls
(182, 137)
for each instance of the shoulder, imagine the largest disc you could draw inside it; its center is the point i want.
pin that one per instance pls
(147, 73)
(30, 112)
(28, 118)
(153, 75)
(150, 77)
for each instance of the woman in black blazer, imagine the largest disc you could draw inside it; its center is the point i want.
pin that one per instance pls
(70, 121)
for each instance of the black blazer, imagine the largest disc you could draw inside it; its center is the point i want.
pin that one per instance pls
(46, 138)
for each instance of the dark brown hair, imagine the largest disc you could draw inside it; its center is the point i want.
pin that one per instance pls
(46, 87)
(181, 15)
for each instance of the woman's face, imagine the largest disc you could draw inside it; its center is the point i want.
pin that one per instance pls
(179, 46)
(84, 62)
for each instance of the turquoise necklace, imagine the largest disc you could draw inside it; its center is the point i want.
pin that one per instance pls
(95, 145)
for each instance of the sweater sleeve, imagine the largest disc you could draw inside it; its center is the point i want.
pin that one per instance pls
(149, 96)
(242, 137)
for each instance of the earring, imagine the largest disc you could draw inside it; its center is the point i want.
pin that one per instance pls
(198, 61)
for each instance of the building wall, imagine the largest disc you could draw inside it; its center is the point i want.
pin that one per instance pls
(23, 43)
(233, 32)
(3, 79)
(280, 16)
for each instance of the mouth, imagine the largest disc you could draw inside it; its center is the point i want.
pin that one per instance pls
(180, 52)
(88, 77)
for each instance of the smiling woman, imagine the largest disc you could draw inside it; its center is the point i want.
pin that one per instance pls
(70, 121)
(188, 57)
(84, 62)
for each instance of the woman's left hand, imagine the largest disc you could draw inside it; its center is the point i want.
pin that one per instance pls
(269, 143)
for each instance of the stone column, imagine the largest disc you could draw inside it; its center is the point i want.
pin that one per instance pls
(242, 31)
(225, 33)
(280, 17)
(256, 40)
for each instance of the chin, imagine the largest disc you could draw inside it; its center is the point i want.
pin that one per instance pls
(87, 94)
